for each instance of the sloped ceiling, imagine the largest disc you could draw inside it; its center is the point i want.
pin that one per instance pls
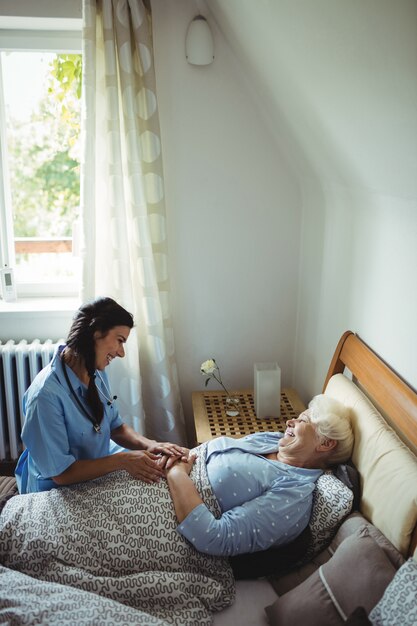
(338, 80)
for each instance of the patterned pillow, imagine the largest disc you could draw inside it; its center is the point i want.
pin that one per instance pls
(332, 502)
(398, 605)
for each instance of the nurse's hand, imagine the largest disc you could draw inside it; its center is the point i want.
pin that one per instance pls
(170, 452)
(143, 465)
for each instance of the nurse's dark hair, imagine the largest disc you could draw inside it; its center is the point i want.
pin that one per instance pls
(101, 315)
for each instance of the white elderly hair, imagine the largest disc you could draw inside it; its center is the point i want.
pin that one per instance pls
(333, 421)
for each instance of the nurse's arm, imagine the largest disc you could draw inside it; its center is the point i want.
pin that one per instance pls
(140, 464)
(126, 437)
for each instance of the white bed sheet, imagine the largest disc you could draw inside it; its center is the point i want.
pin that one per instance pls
(252, 596)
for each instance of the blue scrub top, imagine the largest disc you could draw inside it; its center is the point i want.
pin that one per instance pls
(56, 432)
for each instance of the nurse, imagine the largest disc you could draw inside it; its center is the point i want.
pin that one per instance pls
(72, 430)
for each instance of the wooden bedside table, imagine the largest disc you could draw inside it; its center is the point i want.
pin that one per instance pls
(211, 421)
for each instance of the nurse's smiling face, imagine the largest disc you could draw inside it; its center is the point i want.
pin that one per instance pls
(110, 345)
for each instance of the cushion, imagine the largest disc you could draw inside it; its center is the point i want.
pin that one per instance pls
(354, 523)
(329, 595)
(332, 501)
(349, 475)
(358, 618)
(8, 489)
(388, 469)
(399, 602)
(8, 485)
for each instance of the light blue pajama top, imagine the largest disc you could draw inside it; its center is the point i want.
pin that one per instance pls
(56, 432)
(264, 503)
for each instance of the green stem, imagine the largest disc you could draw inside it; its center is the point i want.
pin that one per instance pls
(219, 380)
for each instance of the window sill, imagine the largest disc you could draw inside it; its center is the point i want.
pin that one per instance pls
(36, 318)
(35, 306)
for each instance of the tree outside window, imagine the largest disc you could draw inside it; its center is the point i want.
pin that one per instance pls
(43, 152)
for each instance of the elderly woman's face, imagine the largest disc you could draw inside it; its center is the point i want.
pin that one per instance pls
(300, 435)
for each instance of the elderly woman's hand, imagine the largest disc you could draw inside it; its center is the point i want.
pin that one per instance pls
(179, 465)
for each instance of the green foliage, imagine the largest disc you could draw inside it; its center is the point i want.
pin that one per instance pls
(67, 71)
(44, 157)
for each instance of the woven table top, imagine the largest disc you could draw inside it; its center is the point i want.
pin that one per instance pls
(211, 419)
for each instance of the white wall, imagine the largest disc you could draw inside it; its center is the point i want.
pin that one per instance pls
(341, 78)
(338, 82)
(276, 261)
(41, 8)
(359, 253)
(234, 213)
(358, 272)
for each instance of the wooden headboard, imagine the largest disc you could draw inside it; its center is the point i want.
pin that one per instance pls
(386, 389)
(394, 399)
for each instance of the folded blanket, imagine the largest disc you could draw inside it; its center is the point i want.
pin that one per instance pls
(116, 537)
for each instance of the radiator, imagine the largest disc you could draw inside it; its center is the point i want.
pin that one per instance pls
(19, 364)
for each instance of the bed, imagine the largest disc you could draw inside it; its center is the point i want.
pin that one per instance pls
(368, 570)
(76, 574)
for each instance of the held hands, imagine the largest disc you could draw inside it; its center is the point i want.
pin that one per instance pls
(169, 453)
(149, 465)
(143, 465)
(181, 465)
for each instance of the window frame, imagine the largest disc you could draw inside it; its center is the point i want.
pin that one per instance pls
(61, 35)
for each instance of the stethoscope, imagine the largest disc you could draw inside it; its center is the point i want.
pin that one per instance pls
(109, 400)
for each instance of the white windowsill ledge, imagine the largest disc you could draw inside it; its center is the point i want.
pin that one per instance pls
(39, 306)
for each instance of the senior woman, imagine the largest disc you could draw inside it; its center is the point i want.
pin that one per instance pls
(263, 482)
(73, 431)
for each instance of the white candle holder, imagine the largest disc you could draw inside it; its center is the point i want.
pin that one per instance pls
(267, 390)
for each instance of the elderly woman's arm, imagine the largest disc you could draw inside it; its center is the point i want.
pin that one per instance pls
(183, 492)
(274, 518)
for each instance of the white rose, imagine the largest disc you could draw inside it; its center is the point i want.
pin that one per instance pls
(208, 367)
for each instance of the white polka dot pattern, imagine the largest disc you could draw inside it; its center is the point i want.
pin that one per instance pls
(125, 251)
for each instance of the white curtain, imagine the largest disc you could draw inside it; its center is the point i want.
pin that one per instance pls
(124, 222)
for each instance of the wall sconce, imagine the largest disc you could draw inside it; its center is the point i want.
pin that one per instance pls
(199, 45)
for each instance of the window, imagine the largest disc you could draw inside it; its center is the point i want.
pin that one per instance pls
(40, 120)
